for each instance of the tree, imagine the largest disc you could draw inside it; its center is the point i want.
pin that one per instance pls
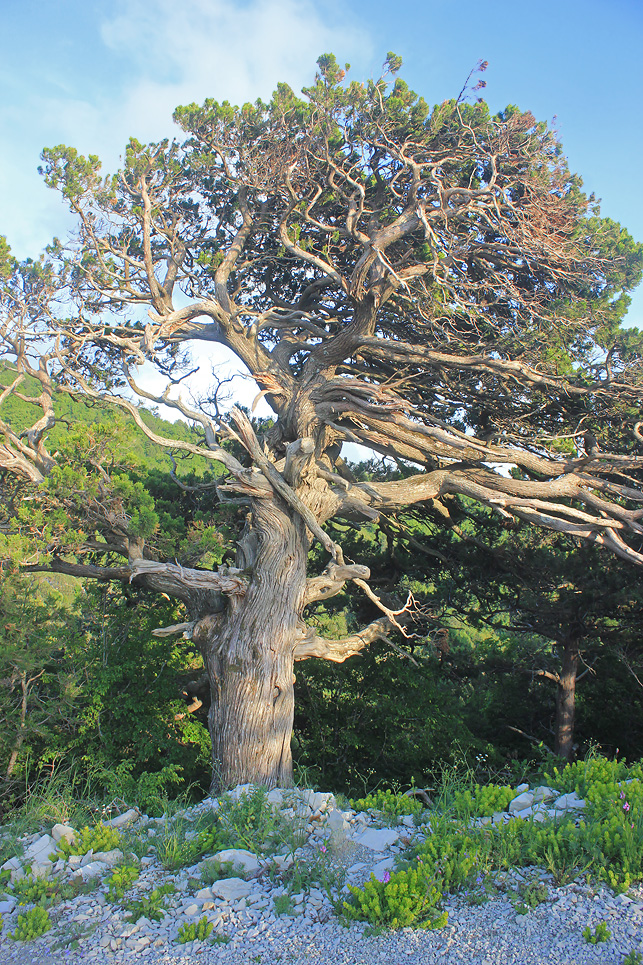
(432, 284)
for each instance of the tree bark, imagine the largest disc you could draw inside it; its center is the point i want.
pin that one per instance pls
(249, 655)
(566, 699)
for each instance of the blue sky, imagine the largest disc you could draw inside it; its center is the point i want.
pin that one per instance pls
(91, 74)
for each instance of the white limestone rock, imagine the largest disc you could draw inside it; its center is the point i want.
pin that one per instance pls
(240, 790)
(231, 889)
(337, 821)
(377, 839)
(521, 803)
(110, 858)
(204, 894)
(239, 858)
(543, 793)
(567, 802)
(40, 849)
(93, 869)
(283, 861)
(61, 832)
(124, 819)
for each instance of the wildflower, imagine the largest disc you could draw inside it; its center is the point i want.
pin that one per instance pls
(626, 806)
(386, 877)
(622, 795)
(323, 848)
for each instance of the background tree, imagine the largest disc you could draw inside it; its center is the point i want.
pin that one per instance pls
(430, 283)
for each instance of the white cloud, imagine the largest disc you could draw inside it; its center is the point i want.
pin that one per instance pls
(163, 54)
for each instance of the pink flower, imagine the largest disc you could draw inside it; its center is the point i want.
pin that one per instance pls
(626, 806)
(323, 848)
(386, 877)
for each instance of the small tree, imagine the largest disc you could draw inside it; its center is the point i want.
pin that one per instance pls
(432, 284)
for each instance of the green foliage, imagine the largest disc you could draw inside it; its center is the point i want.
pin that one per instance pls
(195, 930)
(148, 790)
(251, 822)
(99, 838)
(320, 871)
(213, 870)
(482, 800)
(406, 898)
(182, 842)
(30, 890)
(149, 906)
(32, 924)
(600, 934)
(530, 896)
(283, 904)
(388, 804)
(633, 958)
(120, 881)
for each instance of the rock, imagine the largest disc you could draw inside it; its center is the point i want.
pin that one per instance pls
(283, 861)
(231, 889)
(41, 869)
(40, 849)
(239, 857)
(122, 820)
(204, 894)
(93, 869)
(7, 906)
(337, 821)
(87, 858)
(61, 832)
(275, 797)
(543, 793)
(568, 801)
(377, 839)
(110, 858)
(521, 788)
(521, 803)
(74, 862)
(241, 789)
(12, 864)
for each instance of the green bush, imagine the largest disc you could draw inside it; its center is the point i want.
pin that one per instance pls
(389, 804)
(32, 891)
(121, 881)
(600, 934)
(32, 924)
(483, 800)
(195, 930)
(98, 838)
(149, 906)
(400, 900)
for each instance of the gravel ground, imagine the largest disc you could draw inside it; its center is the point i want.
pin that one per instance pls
(488, 934)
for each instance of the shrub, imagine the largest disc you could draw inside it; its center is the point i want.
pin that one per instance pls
(195, 930)
(120, 881)
(149, 906)
(388, 804)
(398, 901)
(600, 934)
(32, 924)
(99, 838)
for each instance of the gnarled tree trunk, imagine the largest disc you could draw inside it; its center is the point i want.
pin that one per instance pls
(249, 655)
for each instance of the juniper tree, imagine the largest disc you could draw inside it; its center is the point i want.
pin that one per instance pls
(429, 283)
